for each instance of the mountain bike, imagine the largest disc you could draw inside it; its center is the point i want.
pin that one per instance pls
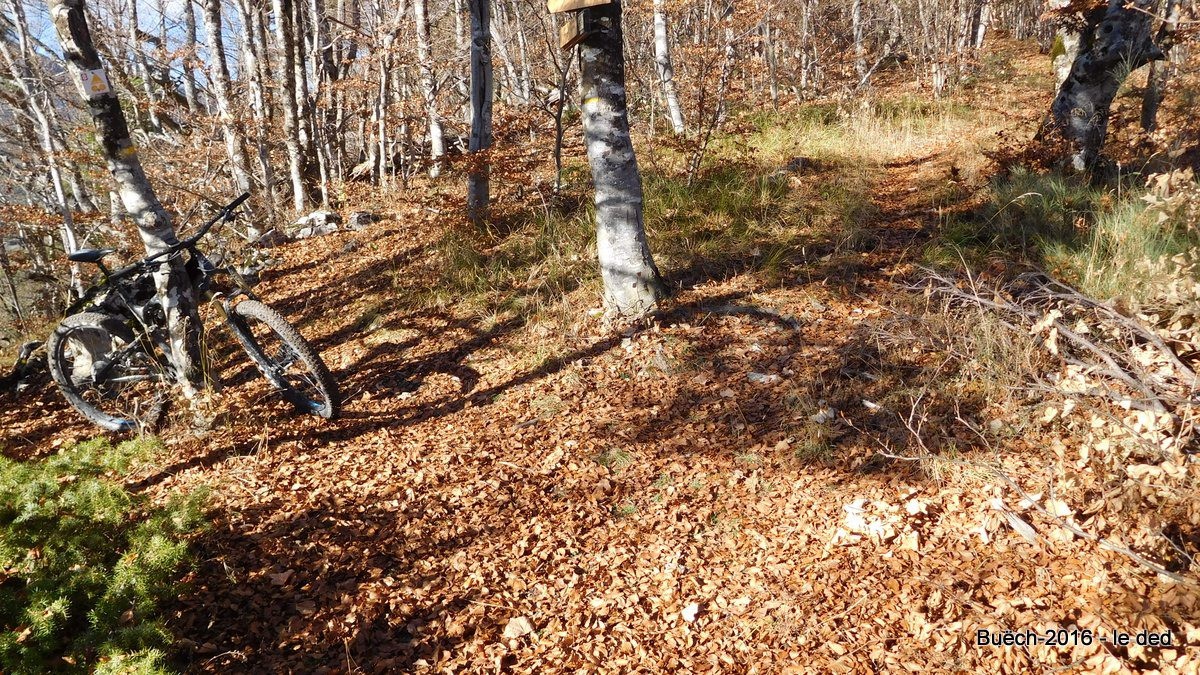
(109, 356)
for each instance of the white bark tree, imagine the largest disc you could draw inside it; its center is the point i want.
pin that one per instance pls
(632, 285)
(1112, 47)
(38, 105)
(286, 35)
(666, 70)
(189, 57)
(437, 143)
(219, 78)
(138, 197)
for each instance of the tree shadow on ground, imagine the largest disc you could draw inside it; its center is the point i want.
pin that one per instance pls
(312, 589)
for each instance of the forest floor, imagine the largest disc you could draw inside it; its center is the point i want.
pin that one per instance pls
(709, 491)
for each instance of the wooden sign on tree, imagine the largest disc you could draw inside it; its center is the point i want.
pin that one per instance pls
(576, 27)
(557, 6)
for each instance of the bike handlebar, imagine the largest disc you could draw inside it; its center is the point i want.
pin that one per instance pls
(224, 215)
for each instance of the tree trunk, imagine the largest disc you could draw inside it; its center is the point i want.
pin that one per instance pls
(1160, 71)
(437, 144)
(1066, 40)
(806, 51)
(291, 126)
(983, 17)
(153, 223)
(632, 286)
(14, 297)
(40, 109)
(189, 57)
(251, 22)
(1115, 43)
(219, 77)
(564, 68)
(523, 53)
(1064, 53)
(511, 80)
(666, 71)
(481, 109)
(142, 67)
(769, 55)
(726, 65)
(860, 58)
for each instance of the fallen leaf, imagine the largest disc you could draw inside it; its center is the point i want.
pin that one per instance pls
(516, 627)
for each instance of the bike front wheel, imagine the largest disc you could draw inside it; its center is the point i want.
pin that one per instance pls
(106, 374)
(285, 358)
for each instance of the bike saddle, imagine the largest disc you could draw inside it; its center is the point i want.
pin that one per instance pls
(90, 255)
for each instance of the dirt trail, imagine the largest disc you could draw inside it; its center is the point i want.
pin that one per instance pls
(684, 498)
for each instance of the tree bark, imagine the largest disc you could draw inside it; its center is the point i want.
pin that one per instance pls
(726, 65)
(860, 58)
(189, 57)
(666, 70)
(15, 297)
(142, 67)
(291, 126)
(251, 58)
(632, 286)
(478, 187)
(1115, 43)
(219, 77)
(983, 16)
(153, 223)
(523, 53)
(1160, 71)
(40, 109)
(513, 88)
(1066, 40)
(437, 143)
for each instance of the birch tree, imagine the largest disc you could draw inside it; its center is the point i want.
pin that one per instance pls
(632, 285)
(666, 70)
(19, 67)
(187, 64)
(285, 34)
(1111, 47)
(219, 77)
(437, 144)
(140, 202)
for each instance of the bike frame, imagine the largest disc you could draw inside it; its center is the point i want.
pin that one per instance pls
(201, 272)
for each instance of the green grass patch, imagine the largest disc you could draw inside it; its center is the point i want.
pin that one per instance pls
(519, 265)
(85, 562)
(614, 459)
(1107, 241)
(729, 216)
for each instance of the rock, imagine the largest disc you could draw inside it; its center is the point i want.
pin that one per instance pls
(761, 378)
(361, 220)
(316, 224)
(315, 231)
(271, 238)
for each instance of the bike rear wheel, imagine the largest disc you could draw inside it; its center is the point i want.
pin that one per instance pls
(105, 374)
(285, 358)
